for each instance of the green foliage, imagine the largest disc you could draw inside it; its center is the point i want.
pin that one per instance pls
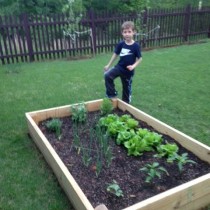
(55, 126)
(115, 124)
(115, 189)
(73, 11)
(106, 106)
(32, 7)
(76, 138)
(115, 128)
(152, 138)
(167, 150)
(86, 159)
(153, 170)
(103, 151)
(181, 160)
(138, 5)
(125, 130)
(135, 146)
(124, 136)
(106, 121)
(108, 156)
(98, 152)
(72, 7)
(78, 113)
(99, 163)
(129, 121)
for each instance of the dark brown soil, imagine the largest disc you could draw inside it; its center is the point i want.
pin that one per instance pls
(124, 169)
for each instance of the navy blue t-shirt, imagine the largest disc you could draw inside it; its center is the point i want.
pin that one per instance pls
(128, 55)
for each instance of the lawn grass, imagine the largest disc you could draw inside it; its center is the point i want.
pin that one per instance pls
(171, 84)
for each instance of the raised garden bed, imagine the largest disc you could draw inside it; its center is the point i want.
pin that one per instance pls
(191, 195)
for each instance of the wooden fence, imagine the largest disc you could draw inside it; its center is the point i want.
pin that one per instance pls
(28, 38)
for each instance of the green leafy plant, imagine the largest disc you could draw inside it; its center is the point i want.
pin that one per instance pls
(115, 189)
(79, 113)
(130, 122)
(125, 131)
(136, 146)
(167, 150)
(115, 128)
(55, 126)
(124, 136)
(153, 170)
(106, 121)
(152, 138)
(106, 106)
(181, 160)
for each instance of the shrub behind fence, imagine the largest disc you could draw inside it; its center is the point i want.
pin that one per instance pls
(28, 38)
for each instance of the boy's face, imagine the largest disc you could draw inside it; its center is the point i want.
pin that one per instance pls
(128, 34)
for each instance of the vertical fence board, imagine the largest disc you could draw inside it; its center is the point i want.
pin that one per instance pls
(27, 27)
(9, 39)
(14, 48)
(35, 40)
(18, 37)
(2, 46)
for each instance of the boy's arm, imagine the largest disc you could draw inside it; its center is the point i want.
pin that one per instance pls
(114, 56)
(132, 67)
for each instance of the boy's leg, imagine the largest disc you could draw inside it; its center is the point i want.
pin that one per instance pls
(127, 88)
(109, 77)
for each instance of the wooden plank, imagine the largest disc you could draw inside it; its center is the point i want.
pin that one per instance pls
(41, 115)
(191, 195)
(64, 111)
(199, 149)
(67, 182)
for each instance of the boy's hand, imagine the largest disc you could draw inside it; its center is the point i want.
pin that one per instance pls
(106, 68)
(130, 68)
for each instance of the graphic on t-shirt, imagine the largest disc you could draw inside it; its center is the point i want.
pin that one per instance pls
(125, 52)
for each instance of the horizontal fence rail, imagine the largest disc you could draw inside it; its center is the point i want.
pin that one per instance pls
(28, 38)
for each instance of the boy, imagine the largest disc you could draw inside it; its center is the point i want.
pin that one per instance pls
(130, 56)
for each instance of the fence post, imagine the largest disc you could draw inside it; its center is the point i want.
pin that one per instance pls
(209, 32)
(186, 28)
(2, 33)
(26, 27)
(93, 28)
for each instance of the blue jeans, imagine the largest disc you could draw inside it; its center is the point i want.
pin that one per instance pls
(110, 76)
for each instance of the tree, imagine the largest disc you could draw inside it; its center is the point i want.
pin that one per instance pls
(137, 5)
(101, 5)
(17, 7)
(9, 7)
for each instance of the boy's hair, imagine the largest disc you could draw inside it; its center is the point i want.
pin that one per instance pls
(127, 25)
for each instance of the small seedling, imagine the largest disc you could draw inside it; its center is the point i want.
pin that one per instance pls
(153, 170)
(86, 159)
(79, 113)
(106, 106)
(76, 138)
(115, 189)
(55, 126)
(181, 160)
